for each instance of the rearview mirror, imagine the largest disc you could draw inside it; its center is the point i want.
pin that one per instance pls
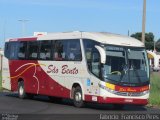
(102, 54)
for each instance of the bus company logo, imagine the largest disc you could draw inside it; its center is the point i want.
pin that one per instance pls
(52, 69)
(145, 88)
(127, 90)
(129, 94)
(65, 69)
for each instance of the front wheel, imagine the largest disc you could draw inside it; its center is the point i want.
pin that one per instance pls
(77, 97)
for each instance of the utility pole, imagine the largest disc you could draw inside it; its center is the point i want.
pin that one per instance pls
(128, 33)
(23, 26)
(144, 21)
(154, 42)
(4, 32)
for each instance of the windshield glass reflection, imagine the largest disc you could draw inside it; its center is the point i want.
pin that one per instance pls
(126, 65)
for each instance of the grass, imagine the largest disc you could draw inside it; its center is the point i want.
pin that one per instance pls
(154, 99)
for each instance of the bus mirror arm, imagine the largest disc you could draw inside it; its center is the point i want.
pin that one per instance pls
(102, 54)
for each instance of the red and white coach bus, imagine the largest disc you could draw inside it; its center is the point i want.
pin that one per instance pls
(83, 66)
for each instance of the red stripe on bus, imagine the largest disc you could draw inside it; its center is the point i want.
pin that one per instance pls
(131, 89)
(24, 39)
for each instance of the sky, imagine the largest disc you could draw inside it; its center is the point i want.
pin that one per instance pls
(114, 16)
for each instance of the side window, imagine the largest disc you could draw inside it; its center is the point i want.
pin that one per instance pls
(22, 50)
(67, 50)
(60, 47)
(7, 50)
(74, 50)
(13, 50)
(45, 50)
(33, 50)
(92, 56)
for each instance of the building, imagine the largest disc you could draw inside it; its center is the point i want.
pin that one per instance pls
(154, 60)
(1, 56)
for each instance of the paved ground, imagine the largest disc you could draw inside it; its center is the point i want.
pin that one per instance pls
(11, 104)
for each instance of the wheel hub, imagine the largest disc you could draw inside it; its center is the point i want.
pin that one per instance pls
(21, 90)
(78, 96)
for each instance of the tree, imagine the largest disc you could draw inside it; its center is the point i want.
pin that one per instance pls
(158, 45)
(149, 39)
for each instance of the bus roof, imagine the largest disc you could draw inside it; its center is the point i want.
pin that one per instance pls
(114, 39)
(102, 37)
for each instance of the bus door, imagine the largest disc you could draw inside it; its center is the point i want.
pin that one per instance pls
(94, 66)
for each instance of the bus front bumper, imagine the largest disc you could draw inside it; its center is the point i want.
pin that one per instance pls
(112, 100)
(123, 101)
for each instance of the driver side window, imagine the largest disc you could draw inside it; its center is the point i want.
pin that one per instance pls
(92, 57)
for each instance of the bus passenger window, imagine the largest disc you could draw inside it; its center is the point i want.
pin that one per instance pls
(13, 50)
(22, 50)
(33, 50)
(67, 50)
(57, 56)
(74, 50)
(58, 50)
(45, 50)
(7, 50)
(71, 56)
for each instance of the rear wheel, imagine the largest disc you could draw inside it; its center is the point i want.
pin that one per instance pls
(77, 97)
(21, 90)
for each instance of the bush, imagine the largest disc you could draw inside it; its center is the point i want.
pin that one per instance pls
(154, 98)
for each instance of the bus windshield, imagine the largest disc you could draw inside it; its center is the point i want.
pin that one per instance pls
(126, 66)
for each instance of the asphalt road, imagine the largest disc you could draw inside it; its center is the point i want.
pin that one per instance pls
(11, 104)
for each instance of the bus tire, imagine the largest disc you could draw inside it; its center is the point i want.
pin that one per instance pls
(77, 97)
(21, 90)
